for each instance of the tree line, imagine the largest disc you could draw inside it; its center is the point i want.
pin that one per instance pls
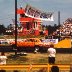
(50, 28)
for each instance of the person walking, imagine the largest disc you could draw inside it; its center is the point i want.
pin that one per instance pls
(52, 53)
(3, 58)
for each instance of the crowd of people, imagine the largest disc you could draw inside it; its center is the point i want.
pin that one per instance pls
(65, 29)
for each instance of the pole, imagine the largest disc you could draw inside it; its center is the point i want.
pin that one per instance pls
(59, 17)
(59, 23)
(15, 27)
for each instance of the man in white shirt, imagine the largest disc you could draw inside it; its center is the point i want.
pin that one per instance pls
(3, 58)
(52, 52)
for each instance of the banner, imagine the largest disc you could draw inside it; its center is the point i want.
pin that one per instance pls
(55, 41)
(37, 14)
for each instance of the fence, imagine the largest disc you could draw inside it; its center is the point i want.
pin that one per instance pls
(35, 68)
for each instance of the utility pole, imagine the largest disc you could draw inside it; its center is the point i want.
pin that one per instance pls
(59, 17)
(59, 23)
(15, 27)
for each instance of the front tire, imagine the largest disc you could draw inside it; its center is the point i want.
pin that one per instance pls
(36, 49)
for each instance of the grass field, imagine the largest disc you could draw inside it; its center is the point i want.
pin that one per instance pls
(40, 58)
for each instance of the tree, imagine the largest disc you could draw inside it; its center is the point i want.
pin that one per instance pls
(52, 29)
(2, 29)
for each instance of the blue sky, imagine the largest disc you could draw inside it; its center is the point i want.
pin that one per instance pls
(64, 6)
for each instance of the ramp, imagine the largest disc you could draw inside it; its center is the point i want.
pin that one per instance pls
(66, 43)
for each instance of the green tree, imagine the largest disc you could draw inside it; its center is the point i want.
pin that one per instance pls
(2, 29)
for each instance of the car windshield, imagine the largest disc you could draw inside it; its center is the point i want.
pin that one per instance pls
(44, 40)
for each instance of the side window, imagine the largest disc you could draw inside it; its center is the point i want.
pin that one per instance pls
(31, 40)
(35, 41)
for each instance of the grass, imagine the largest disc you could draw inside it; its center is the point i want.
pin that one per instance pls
(38, 59)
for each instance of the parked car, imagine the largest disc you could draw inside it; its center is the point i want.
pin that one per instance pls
(34, 44)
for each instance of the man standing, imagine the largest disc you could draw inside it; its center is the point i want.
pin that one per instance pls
(52, 52)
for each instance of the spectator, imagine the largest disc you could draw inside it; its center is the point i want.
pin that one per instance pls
(52, 52)
(3, 58)
(54, 69)
(2, 70)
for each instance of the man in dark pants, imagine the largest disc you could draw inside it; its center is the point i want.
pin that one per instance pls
(54, 69)
(52, 52)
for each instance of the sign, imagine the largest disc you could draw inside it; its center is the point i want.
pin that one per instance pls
(55, 41)
(37, 14)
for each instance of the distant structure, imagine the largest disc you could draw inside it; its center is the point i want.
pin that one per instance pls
(30, 25)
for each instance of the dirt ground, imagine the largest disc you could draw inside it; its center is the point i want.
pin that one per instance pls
(39, 58)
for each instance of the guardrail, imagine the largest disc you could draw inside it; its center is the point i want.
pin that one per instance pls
(32, 68)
